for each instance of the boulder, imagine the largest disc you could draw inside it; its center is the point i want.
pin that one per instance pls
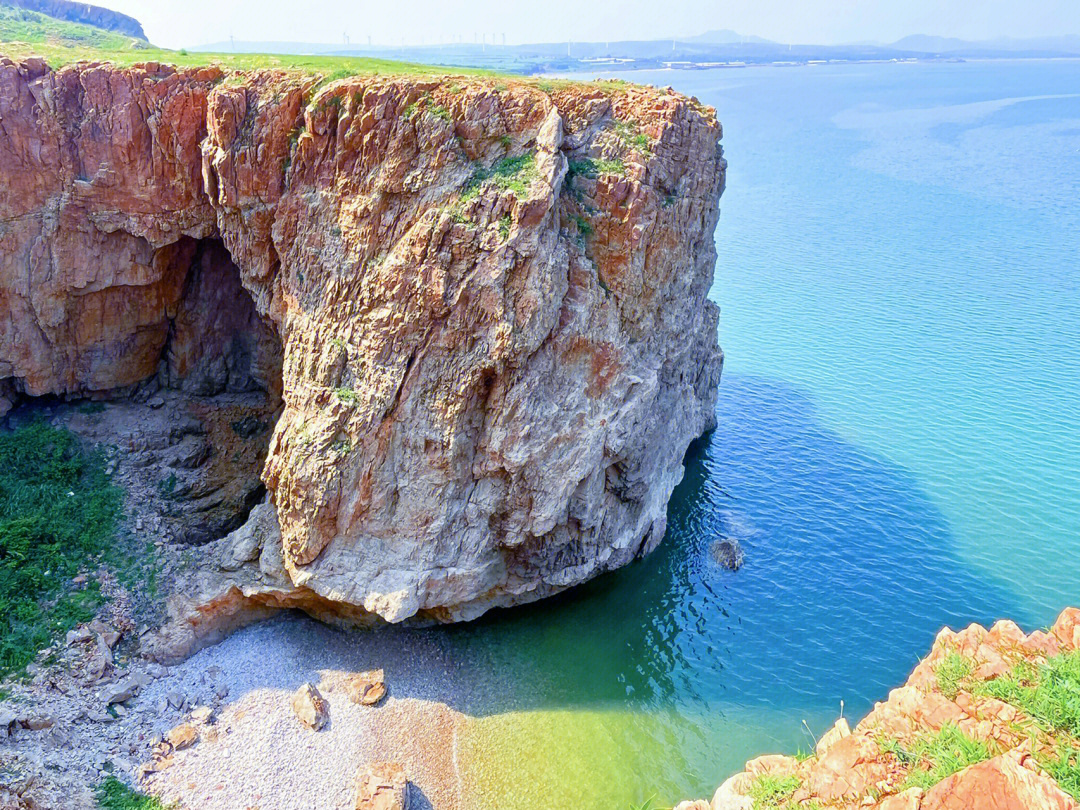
(183, 736)
(839, 730)
(125, 689)
(728, 553)
(367, 688)
(1007, 782)
(311, 707)
(382, 786)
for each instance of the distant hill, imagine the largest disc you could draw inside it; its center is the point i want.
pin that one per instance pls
(721, 47)
(725, 36)
(82, 14)
(921, 43)
(21, 25)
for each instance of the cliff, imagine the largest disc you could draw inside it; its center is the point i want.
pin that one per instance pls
(989, 720)
(479, 306)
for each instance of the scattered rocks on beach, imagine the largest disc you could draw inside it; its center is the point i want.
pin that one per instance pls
(311, 707)
(382, 786)
(367, 688)
(183, 736)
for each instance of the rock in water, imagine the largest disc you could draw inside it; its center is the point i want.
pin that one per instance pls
(382, 786)
(728, 553)
(491, 329)
(367, 688)
(311, 707)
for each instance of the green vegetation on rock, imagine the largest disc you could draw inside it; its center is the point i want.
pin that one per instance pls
(934, 757)
(594, 167)
(1048, 693)
(112, 794)
(953, 673)
(514, 174)
(771, 792)
(1064, 767)
(58, 516)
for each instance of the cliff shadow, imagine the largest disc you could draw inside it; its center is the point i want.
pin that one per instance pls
(850, 572)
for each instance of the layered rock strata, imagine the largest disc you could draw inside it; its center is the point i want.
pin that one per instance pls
(950, 691)
(487, 300)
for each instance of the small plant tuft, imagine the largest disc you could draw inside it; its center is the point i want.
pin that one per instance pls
(953, 673)
(347, 395)
(1049, 693)
(1064, 767)
(770, 792)
(594, 167)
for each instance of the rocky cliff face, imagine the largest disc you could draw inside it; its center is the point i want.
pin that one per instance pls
(481, 303)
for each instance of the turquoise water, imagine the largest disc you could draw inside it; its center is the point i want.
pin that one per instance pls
(898, 445)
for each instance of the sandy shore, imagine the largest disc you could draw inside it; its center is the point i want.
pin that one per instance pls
(258, 755)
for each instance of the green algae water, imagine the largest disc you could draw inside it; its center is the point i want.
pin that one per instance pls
(898, 444)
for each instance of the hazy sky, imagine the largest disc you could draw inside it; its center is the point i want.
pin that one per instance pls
(177, 23)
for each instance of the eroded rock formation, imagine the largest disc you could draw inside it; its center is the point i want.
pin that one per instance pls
(490, 299)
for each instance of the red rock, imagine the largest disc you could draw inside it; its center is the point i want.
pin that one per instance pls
(1001, 783)
(910, 799)
(1067, 628)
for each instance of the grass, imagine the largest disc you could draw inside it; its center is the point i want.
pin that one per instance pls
(112, 794)
(584, 228)
(504, 227)
(953, 673)
(594, 167)
(1048, 693)
(514, 174)
(65, 50)
(30, 27)
(58, 516)
(769, 792)
(1064, 767)
(936, 756)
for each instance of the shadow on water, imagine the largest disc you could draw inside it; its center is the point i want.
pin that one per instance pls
(849, 575)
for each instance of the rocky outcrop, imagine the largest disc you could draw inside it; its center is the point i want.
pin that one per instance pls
(886, 763)
(487, 301)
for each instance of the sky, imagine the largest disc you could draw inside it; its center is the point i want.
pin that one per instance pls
(186, 23)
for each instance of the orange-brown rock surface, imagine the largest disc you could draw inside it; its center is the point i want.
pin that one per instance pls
(860, 768)
(487, 302)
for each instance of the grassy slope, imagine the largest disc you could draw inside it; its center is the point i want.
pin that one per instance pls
(31, 28)
(27, 33)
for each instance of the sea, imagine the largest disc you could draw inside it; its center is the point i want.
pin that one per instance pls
(897, 450)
